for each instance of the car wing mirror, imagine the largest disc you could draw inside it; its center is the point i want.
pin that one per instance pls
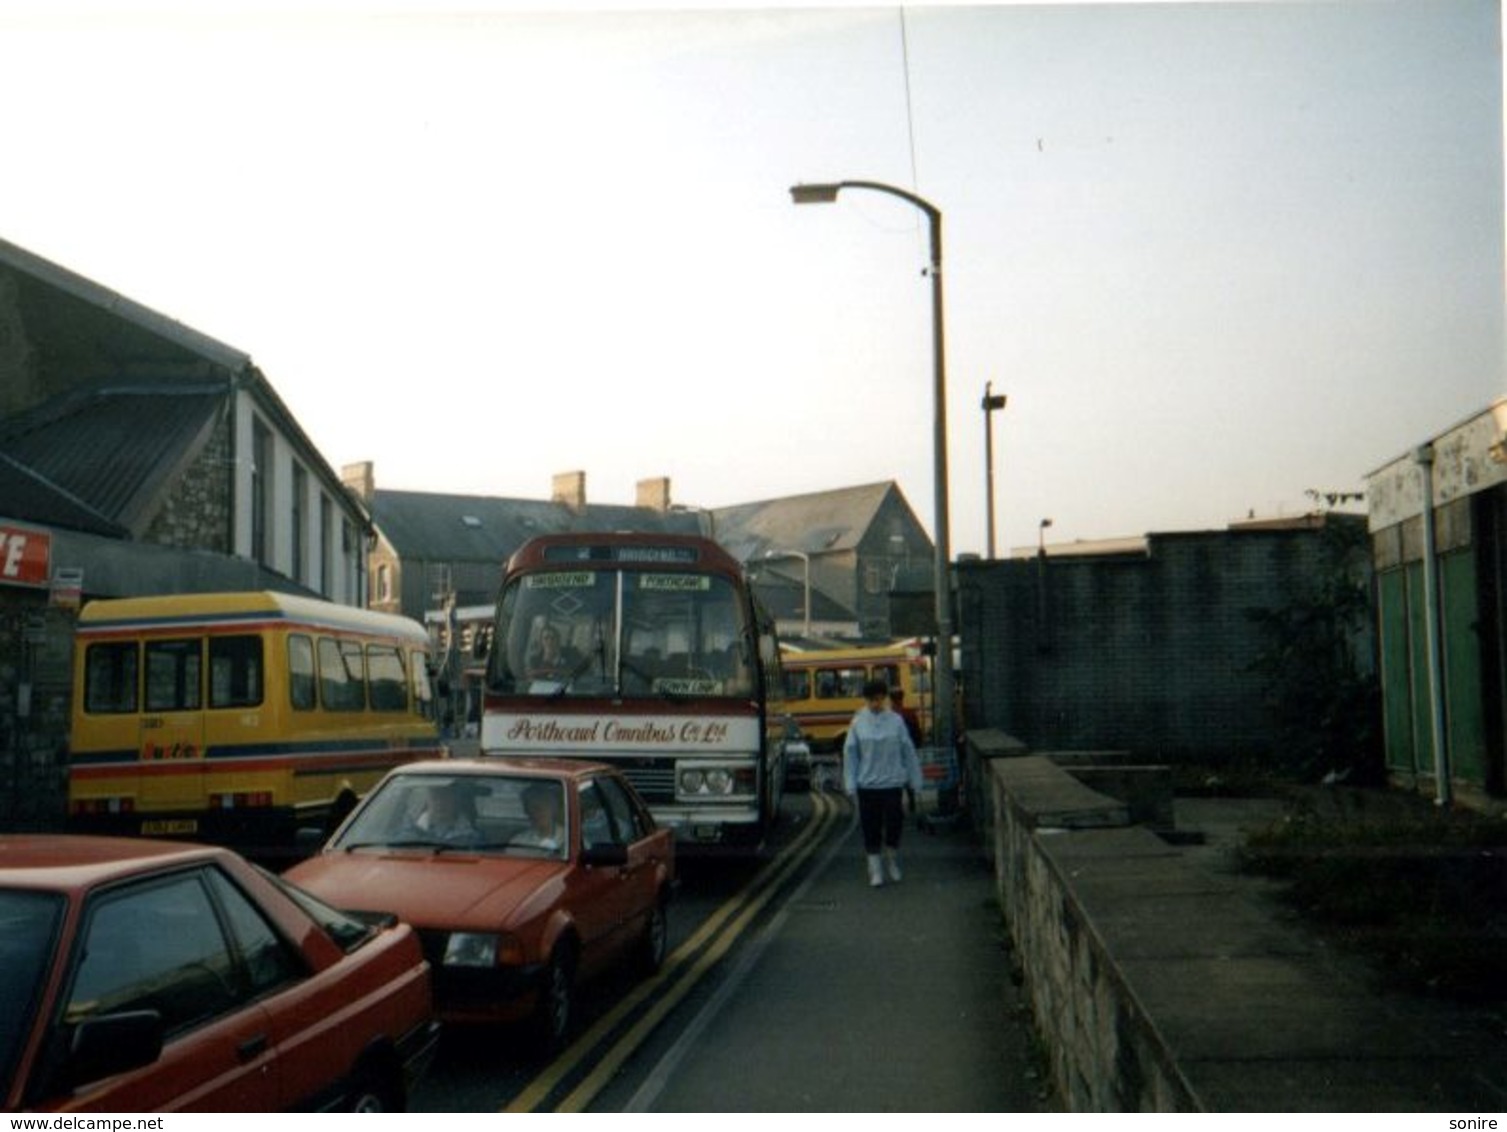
(111, 1044)
(607, 854)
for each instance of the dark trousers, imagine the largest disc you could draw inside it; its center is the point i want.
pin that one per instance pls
(880, 816)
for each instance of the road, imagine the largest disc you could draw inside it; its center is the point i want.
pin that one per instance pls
(790, 985)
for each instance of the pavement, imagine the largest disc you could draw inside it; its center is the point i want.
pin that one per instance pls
(905, 998)
(892, 999)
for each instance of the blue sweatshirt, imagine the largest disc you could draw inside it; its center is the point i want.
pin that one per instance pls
(879, 754)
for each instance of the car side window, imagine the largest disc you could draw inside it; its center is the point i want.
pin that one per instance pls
(625, 816)
(155, 947)
(269, 961)
(596, 820)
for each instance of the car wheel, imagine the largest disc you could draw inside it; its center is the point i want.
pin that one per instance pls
(655, 940)
(371, 1093)
(556, 1011)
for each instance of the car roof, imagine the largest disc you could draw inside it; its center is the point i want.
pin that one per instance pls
(70, 862)
(558, 768)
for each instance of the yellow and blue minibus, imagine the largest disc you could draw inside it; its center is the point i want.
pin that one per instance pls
(237, 718)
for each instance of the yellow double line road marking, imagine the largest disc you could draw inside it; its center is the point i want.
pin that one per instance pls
(723, 928)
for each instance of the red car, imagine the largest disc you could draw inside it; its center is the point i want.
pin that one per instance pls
(522, 876)
(141, 976)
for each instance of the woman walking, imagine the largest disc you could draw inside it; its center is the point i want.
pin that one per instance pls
(878, 762)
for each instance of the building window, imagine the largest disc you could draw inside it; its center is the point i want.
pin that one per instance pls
(384, 582)
(326, 546)
(261, 492)
(300, 538)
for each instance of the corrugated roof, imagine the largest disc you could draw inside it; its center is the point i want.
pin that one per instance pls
(112, 450)
(29, 497)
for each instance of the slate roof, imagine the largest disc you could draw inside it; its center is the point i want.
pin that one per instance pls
(104, 455)
(818, 523)
(475, 528)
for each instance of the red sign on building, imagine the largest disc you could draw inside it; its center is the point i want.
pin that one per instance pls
(25, 556)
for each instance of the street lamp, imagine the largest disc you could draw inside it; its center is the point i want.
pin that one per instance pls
(826, 194)
(992, 403)
(1041, 537)
(806, 563)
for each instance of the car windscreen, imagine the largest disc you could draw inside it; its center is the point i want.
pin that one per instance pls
(523, 815)
(28, 940)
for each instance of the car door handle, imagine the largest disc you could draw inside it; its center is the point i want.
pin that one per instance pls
(252, 1048)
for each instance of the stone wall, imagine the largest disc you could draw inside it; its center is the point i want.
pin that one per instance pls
(1164, 980)
(35, 659)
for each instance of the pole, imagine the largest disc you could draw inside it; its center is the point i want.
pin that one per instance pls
(1443, 787)
(990, 404)
(942, 724)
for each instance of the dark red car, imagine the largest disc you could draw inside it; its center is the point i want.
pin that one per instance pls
(142, 976)
(522, 876)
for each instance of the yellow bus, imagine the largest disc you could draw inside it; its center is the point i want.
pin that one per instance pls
(238, 718)
(824, 687)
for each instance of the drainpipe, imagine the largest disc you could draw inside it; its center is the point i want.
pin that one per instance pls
(1424, 458)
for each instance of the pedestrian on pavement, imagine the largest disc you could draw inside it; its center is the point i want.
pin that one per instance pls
(878, 762)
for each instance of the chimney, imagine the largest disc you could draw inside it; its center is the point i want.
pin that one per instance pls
(360, 479)
(569, 488)
(654, 494)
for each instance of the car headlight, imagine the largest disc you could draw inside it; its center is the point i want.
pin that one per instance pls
(471, 949)
(719, 781)
(692, 781)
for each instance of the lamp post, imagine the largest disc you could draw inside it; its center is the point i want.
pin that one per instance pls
(942, 732)
(1041, 537)
(992, 402)
(806, 564)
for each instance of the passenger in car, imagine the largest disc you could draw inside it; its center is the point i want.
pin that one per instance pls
(542, 804)
(445, 819)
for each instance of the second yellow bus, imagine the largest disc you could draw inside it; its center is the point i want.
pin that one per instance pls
(824, 687)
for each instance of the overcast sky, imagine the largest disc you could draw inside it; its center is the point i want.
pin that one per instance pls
(1215, 255)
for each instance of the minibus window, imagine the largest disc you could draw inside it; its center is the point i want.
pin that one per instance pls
(110, 678)
(235, 671)
(385, 678)
(300, 672)
(797, 684)
(342, 680)
(173, 669)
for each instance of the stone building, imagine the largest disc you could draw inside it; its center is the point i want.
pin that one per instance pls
(862, 549)
(137, 456)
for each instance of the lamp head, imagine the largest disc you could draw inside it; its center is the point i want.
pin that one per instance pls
(813, 194)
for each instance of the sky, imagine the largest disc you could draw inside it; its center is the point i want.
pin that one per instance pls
(1217, 256)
